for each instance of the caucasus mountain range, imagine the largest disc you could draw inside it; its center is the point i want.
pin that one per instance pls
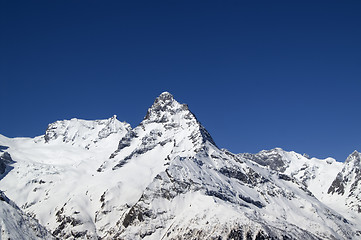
(167, 179)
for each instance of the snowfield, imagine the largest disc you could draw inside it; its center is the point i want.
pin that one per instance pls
(167, 179)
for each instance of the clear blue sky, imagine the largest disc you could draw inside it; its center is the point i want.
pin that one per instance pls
(257, 74)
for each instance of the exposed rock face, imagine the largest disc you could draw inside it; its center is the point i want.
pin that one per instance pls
(167, 179)
(5, 161)
(348, 182)
(273, 158)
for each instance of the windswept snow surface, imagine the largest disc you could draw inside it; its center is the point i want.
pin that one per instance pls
(167, 179)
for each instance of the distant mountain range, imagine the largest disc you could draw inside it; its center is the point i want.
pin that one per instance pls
(167, 179)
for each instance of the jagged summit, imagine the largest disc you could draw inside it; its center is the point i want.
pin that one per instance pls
(172, 114)
(167, 123)
(163, 100)
(165, 95)
(164, 107)
(355, 156)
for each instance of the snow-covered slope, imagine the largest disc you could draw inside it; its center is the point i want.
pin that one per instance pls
(167, 179)
(336, 184)
(315, 174)
(14, 224)
(55, 178)
(84, 133)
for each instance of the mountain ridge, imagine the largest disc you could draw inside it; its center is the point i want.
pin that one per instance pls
(167, 179)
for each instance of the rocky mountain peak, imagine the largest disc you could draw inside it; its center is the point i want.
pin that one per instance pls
(164, 107)
(165, 96)
(167, 123)
(164, 101)
(172, 114)
(354, 158)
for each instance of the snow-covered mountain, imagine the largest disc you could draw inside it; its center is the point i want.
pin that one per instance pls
(167, 179)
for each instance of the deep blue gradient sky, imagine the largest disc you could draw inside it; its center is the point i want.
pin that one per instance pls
(257, 74)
